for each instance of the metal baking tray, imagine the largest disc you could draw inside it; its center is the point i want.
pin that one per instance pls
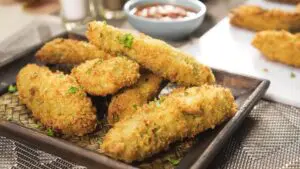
(195, 153)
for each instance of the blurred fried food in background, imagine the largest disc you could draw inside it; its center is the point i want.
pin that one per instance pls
(280, 46)
(258, 19)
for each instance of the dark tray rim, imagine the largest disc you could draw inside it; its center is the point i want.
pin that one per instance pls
(92, 159)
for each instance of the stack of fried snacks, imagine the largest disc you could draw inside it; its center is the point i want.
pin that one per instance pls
(127, 101)
(56, 100)
(100, 78)
(280, 46)
(155, 55)
(69, 51)
(257, 19)
(184, 113)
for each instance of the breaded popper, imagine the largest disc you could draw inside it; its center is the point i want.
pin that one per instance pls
(56, 100)
(102, 77)
(184, 113)
(68, 51)
(153, 54)
(126, 102)
(257, 19)
(280, 46)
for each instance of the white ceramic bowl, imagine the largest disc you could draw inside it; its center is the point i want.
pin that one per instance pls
(170, 30)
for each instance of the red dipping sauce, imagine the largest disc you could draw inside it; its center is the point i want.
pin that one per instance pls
(163, 11)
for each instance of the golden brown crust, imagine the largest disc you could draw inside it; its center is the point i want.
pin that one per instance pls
(126, 102)
(280, 46)
(56, 100)
(101, 78)
(155, 55)
(298, 7)
(184, 113)
(69, 51)
(257, 19)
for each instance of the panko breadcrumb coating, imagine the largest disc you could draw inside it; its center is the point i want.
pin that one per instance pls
(257, 19)
(125, 103)
(280, 46)
(68, 51)
(155, 55)
(184, 113)
(56, 100)
(102, 77)
(298, 7)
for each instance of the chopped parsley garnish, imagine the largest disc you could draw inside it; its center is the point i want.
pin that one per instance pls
(61, 76)
(157, 102)
(9, 118)
(126, 40)
(186, 93)
(293, 75)
(174, 161)
(99, 141)
(37, 126)
(72, 90)
(116, 118)
(50, 132)
(12, 88)
(134, 106)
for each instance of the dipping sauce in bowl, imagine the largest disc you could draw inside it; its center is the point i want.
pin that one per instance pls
(163, 11)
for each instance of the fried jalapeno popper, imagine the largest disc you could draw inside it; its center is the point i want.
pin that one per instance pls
(280, 46)
(100, 78)
(56, 100)
(257, 19)
(125, 103)
(68, 51)
(153, 54)
(183, 113)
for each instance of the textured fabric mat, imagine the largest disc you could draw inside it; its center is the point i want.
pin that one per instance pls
(268, 138)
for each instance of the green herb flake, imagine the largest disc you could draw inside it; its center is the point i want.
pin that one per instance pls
(186, 93)
(293, 75)
(174, 161)
(72, 90)
(100, 141)
(126, 40)
(162, 99)
(157, 102)
(12, 88)
(61, 76)
(37, 126)
(89, 71)
(265, 70)
(134, 106)
(9, 118)
(115, 118)
(50, 132)
(99, 122)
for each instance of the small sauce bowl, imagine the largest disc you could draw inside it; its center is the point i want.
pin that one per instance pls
(173, 29)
